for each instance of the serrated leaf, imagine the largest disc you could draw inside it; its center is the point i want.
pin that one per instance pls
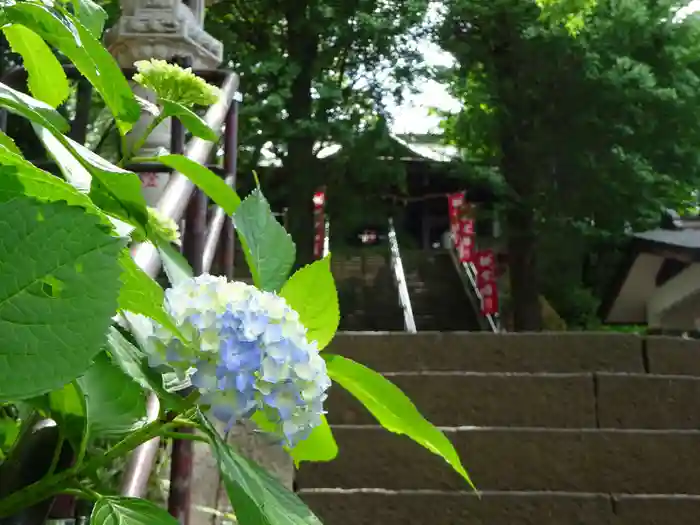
(256, 496)
(91, 15)
(141, 294)
(59, 282)
(134, 363)
(115, 510)
(31, 108)
(175, 265)
(319, 446)
(85, 50)
(115, 190)
(206, 180)
(268, 248)
(19, 177)
(392, 408)
(115, 403)
(46, 78)
(189, 119)
(312, 294)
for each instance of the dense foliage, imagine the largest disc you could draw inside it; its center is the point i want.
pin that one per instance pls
(588, 124)
(319, 72)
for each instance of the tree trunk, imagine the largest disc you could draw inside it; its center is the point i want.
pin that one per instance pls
(299, 164)
(522, 269)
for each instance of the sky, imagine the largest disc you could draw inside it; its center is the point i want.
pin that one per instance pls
(412, 115)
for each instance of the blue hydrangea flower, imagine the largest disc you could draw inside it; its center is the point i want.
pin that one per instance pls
(250, 354)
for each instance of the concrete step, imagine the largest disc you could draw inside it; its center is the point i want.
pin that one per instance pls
(490, 399)
(500, 508)
(608, 461)
(484, 352)
(458, 320)
(583, 400)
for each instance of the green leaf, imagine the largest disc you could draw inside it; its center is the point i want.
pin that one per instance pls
(91, 15)
(141, 294)
(189, 119)
(312, 294)
(256, 496)
(319, 446)
(115, 190)
(268, 248)
(175, 265)
(7, 142)
(392, 408)
(67, 407)
(9, 430)
(115, 403)
(31, 108)
(115, 510)
(59, 282)
(46, 79)
(67, 401)
(134, 364)
(206, 180)
(19, 177)
(88, 54)
(131, 360)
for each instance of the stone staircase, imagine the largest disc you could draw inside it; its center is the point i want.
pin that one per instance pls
(437, 294)
(555, 429)
(366, 292)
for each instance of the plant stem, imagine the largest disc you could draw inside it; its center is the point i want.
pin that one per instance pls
(181, 422)
(127, 444)
(58, 450)
(50, 485)
(142, 140)
(78, 493)
(89, 493)
(182, 435)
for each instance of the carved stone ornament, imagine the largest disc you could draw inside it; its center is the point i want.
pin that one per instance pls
(163, 29)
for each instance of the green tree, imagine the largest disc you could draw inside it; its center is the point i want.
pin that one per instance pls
(590, 127)
(315, 72)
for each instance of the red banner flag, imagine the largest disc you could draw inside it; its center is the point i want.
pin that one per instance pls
(461, 225)
(489, 305)
(485, 262)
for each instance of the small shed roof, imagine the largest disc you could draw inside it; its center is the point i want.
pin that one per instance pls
(652, 258)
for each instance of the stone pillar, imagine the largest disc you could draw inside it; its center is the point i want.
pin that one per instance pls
(160, 29)
(165, 29)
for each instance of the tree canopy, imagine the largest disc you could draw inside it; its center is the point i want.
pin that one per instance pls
(585, 127)
(316, 72)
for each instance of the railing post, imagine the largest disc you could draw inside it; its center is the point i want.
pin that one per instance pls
(181, 460)
(230, 167)
(78, 130)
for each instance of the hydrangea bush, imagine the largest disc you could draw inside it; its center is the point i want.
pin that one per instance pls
(250, 354)
(87, 335)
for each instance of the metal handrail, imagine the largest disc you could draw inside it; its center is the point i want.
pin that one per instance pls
(172, 204)
(488, 322)
(216, 226)
(400, 279)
